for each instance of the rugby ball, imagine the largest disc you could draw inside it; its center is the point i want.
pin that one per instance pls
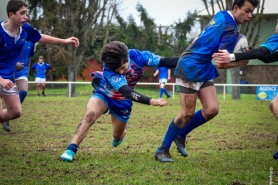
(241, 44)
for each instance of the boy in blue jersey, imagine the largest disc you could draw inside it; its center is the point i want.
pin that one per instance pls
(21, 74)
(195, 73)
(113, 91)
(13, 34)
(41, 67)
(267, 52)
(164, 76)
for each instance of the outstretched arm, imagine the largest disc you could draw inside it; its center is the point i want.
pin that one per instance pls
(129, 93)
(170, 62)
(261, 53)
(169, 74)
(46, 39)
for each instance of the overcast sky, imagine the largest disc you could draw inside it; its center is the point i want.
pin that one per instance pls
(165, 12)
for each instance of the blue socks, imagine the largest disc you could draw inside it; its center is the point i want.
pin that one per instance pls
(161, 93)
(163, 90)
(196, 121)
(72, 147)
(22, 95)
(171, 134)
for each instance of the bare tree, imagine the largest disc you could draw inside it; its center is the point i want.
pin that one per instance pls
(80, 18)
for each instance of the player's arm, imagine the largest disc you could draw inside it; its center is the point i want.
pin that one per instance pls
(129, 93)
(261, 53)
(231, 64)
(46, 39)
(156, 72)
(169, 74)
(170, 62)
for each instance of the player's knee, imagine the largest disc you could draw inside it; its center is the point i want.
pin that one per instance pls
(16, 113)
(118, 136)
(183, 119)
(90, 117)
(211, 112)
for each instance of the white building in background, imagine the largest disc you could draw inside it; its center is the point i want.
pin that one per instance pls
(3, 14)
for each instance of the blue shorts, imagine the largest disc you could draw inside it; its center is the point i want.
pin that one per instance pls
(121, 109)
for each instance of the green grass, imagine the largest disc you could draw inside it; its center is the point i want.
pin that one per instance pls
(236, 147)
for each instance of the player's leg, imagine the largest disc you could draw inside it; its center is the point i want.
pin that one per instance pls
(43, 86)
(22, 86)
(161, 84)
(120, 114)
(95, 108)
(119, 131)
(188, 99)
(273, 106)
(207, 96)
(13, 106)
(38, 81)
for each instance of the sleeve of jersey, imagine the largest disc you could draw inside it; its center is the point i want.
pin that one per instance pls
(272, 43)
(261, 53)
(48, 66)
(33, 66)
(32, 50)
(144, 58)
(129, 93)
(33, 34)
(116, 80)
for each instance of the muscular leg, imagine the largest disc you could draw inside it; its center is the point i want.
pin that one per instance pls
(273, 106)
(95, 108)
(119, 131)
(13, 108)
(22, 86)
(188, 104)
(119, 128)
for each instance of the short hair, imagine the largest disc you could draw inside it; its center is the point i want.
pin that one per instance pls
(114, 54)
(41, 57)
(15, 5)
(240, 3)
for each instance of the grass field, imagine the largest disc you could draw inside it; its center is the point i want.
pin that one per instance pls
(236, 147)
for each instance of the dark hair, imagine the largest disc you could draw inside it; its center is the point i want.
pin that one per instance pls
(114, 54)
(240, 3)
(14, 5)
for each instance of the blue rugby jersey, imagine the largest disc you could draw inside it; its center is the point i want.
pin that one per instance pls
(272, 43)
(41, 69)
(109, 82)
(10, 48)
(195, 62)
(163, 72)
(26, 52)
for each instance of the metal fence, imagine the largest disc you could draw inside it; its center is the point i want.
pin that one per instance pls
(222, 89)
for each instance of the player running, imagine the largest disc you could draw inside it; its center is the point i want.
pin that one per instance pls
(113, 91)
(164, 76)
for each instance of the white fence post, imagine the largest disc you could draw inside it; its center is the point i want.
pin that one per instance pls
(69, 89)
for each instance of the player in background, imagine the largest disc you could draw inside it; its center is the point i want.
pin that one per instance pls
(41, 68)
(113, 91)
(267, 53)
(14, 32)
(195, 73)
(164, 76)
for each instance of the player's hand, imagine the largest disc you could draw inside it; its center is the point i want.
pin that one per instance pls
(7, 84)
(223, 56)
(19, 66)
(73, 40)
(158, 102)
